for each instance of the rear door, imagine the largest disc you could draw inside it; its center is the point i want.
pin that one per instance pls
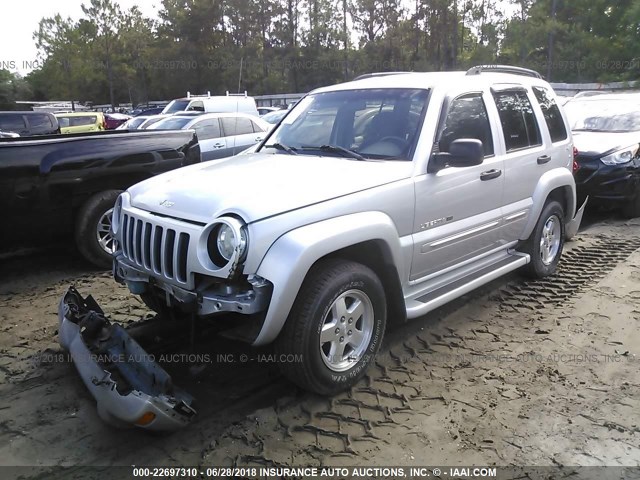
(458, 209)
(239, 132)
(527, 155)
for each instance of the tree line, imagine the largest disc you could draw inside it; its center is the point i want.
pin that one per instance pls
(278, 46)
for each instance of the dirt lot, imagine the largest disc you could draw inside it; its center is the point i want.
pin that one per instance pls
(518, 373)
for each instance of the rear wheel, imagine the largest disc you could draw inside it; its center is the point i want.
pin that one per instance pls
(545, 243)
(93, 228)
(335, 327)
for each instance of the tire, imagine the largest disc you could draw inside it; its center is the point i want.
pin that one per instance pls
(91, 214)
(546, 242)
(339, 285)
(632, 209)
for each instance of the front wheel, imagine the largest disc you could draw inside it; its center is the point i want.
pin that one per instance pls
(335, 327)
(546, 242)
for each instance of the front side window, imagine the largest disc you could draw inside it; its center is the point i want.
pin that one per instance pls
(40, 121)
(467, 118)
(365, 124)
(207, 129)
(518, 121)
(551, 113)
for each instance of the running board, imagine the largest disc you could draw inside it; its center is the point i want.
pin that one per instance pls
(446, 293)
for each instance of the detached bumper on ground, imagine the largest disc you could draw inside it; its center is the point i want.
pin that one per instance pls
(129, 387)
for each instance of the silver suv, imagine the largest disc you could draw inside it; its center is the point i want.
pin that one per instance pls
(373, 201)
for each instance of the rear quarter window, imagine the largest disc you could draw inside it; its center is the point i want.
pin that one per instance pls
(552, 115)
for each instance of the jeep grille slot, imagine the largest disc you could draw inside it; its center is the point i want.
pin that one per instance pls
(158, 250)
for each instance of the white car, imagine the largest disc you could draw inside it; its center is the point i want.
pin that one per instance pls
(220, 134)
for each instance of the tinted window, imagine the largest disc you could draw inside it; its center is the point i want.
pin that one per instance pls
(236, 126)
(551, 113)
(518, 120)
(12, 122)
(467, 118)
(176, 106)
(208, 129)
(39, 121)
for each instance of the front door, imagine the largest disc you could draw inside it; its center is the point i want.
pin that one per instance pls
(458, 209)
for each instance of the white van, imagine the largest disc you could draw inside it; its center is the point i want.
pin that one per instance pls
(229, 103)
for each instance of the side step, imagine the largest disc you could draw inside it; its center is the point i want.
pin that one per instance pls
(440, 296)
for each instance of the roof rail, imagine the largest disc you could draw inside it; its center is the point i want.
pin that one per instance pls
(236, 94)
(208, 95)
(478, 69)
(378, 74)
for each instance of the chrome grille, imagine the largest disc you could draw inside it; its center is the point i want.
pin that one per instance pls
(155, 248)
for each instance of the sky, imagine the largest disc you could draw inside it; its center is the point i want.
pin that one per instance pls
(19, 20)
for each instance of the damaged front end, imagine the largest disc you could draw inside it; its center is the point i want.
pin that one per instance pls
(129, 387)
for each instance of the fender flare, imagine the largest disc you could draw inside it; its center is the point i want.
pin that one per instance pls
(556, 178)
(289, 259)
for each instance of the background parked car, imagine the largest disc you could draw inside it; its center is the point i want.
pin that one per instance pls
(133, 123)
(26, 124)
(147, 111)
(606, 133)
(274, 117)
(220, 134)
(114, 120)
(81, 122)
(264, 110)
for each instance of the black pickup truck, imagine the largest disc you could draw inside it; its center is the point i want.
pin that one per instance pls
(56, 186)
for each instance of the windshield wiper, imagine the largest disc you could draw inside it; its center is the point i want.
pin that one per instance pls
(338, 149)
(283, 147)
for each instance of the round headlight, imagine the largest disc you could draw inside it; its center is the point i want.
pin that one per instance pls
(227, 240)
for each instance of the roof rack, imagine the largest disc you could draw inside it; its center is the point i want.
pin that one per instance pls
(208, 95)
(379, 74)
(236, 94)
(478, 69)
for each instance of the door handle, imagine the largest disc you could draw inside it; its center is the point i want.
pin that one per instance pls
(490, 174)
(544, 159)
(259, 139)
(218, 145)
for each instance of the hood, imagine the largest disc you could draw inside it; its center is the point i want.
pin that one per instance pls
(256, 186)
(597, 144)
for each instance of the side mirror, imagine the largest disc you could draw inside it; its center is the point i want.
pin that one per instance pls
(464, 152)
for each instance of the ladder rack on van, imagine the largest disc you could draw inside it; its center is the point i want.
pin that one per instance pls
(236, 94)
(208, 95)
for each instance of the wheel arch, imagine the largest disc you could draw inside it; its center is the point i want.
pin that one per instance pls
(352, 237)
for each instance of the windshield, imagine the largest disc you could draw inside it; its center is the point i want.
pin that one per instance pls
(602, 115)
(172, 123)
(361, 124)
(176, 106)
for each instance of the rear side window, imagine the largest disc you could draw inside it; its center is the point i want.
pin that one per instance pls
(40, 121)
(236, 126)
(256, 127)
(518, 121)
(551, 113)
(208, 129)
(12, 122)
(467, 118)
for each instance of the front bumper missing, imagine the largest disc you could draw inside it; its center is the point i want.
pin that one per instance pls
(129, 387)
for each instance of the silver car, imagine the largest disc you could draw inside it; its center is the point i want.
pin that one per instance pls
(373, 201)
